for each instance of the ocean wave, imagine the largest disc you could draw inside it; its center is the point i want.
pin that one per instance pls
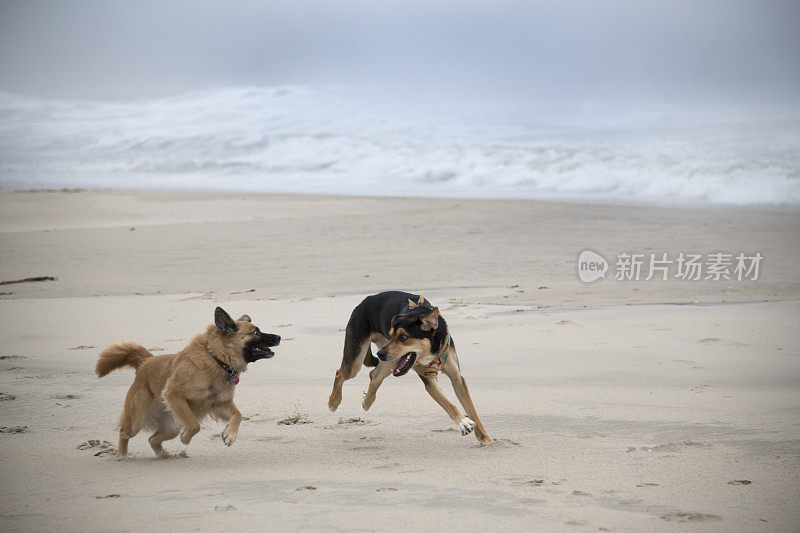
(304, 140)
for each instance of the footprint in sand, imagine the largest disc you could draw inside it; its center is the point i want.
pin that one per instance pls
(295, 419)
(67, 396)
(368, 448)
(349, 422)
(9, 357)
(227, 507)
(83, 347)
(106, 448)
(6, 397)
(689, 517)
(501, 443)
(532, 501)
(14, 429)
(107, 496)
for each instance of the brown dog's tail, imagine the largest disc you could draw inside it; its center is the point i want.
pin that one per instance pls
(119, 355)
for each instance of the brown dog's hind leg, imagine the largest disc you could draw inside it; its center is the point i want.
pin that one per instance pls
(168, 428)
(452, 371)
(355, 350)
(376, 377)
(130, 422)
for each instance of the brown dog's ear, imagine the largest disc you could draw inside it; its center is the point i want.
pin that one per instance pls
(224, 321)
(244, 318)
(431, 320)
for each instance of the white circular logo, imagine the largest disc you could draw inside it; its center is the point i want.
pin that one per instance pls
(591, 266)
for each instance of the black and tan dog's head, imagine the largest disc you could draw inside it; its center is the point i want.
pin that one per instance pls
(240, 338)
(416, 337)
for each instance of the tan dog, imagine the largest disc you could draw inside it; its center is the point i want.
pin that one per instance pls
(180, 390)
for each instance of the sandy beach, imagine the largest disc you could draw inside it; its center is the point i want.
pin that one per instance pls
(616, 405)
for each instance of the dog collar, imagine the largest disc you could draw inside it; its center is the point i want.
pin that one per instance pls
(443, 355)
(232, 374)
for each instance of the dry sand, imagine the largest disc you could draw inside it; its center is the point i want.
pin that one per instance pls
(617, 406)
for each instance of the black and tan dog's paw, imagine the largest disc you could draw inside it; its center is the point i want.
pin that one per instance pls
(466, 426)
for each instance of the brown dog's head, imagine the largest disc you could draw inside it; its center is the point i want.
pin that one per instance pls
(241, 339)
(415, 337)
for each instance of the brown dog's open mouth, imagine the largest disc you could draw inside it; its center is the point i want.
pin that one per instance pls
(404, 364)
(261, 352)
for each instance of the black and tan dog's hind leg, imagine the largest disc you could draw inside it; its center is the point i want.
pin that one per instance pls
(357, 352)
(452, 371)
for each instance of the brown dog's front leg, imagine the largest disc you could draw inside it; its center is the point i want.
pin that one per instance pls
(229, 412)
(180, 408)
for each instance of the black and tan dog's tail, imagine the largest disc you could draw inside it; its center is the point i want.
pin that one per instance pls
(119, 355)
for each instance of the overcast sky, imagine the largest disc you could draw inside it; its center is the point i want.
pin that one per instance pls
(491, 49)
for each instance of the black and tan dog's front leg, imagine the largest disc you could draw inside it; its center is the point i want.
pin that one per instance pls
(228, 411)
(452, 371)
(465, 425)
(376, 377)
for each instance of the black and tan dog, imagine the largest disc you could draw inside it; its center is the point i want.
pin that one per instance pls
(411, 334)
(179, 390)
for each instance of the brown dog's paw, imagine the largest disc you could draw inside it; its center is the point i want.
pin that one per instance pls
(120, 456)
(485, 441)
(229, 436)
(187, 434)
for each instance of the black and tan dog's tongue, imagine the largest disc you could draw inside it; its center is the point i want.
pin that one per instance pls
(404, 364)
(400, 364)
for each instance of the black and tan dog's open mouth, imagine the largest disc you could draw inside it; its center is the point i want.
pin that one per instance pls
(404, 364)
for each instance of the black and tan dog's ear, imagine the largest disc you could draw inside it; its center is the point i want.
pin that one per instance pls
(431, 320)
(421, 300)
(244, 318)
(411, 304)
(224, 321)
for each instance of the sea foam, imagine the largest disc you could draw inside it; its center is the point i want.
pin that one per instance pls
(340, 141)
